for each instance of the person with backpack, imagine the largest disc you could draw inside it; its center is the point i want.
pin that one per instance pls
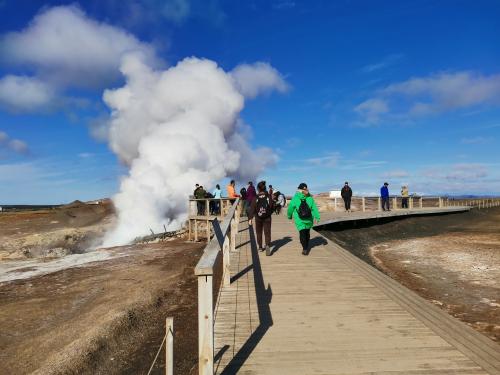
(304, 211)
(261, 209)
(346, 194)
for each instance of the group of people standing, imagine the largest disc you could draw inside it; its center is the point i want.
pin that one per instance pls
(346, 194)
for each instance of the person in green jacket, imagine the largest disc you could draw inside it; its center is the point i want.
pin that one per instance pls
(304, 216)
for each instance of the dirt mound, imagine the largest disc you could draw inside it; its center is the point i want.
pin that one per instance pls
(74, 204)
(53, 232)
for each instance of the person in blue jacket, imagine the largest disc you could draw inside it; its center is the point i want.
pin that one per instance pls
(384, 194)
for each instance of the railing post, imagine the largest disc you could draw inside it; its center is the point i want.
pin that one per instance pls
(421, 202)
(394, 203)
(363, 203)
(379, 204)
(205, 326)
(234, 229)
(335, 204)
(226, 260)
(169, 347)
(411, 203)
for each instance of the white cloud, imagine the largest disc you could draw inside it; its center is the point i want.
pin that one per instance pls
(15, 145)
(64, 47)
(18, 146)
(25, 94)
(372, 109)
(254, 79)
(423, 96)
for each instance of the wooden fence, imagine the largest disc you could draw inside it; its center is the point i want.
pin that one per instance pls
(201, 212)
(372, 203)
(212, 270)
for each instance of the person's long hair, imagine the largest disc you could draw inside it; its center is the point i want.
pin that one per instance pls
(261, 186)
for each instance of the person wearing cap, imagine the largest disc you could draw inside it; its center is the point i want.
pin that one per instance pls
(303, 216)
(346, 194)
(384, 194)
(404, 196)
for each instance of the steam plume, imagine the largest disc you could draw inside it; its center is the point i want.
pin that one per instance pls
(175, 128)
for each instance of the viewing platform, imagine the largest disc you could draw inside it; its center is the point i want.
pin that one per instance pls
(325, 313)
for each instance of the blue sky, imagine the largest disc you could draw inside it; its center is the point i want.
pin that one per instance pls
(397, 91)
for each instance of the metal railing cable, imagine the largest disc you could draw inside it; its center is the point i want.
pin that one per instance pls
(157, 353)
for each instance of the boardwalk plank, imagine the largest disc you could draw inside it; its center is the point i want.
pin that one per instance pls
(330, 314)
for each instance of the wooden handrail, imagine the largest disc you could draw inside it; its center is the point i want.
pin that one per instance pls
(205, 270)
(207, 261)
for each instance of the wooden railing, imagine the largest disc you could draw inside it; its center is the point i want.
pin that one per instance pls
(374, 203)
(212, 270)
(199, 222)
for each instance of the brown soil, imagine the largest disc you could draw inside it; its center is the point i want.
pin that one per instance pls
(105, 317)
(53, 232)
(451, 260)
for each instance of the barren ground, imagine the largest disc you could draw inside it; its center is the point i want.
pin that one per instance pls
(104, 317)
(451, 260)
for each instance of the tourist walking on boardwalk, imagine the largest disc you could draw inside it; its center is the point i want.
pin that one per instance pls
(251, 194)
(271, 191)
(243, 195)
(303, 210)
(231, 192)
(384, 194)
(404, 196)
(261, 209)
(346, 194)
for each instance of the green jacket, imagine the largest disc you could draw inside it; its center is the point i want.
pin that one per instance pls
(293, 207)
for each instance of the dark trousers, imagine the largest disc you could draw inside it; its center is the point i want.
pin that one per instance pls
(263, 225)
(305, 236)
(404, 203)
(347, 203)
(201, 208)
(385, 203)
(214, 207)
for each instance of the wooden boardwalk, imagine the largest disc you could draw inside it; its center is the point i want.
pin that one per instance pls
(331, 313)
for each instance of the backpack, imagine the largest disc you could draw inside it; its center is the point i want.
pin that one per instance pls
(304, 210)
(262, 207)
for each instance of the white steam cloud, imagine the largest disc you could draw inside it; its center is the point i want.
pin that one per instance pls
(175, 128)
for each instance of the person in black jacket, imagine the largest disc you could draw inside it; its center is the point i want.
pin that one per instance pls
(346, 194)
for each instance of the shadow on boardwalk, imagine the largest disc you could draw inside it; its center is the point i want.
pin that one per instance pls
(264, 296)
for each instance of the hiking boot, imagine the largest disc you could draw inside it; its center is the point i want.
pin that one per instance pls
(304, 252)
(268, 250)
